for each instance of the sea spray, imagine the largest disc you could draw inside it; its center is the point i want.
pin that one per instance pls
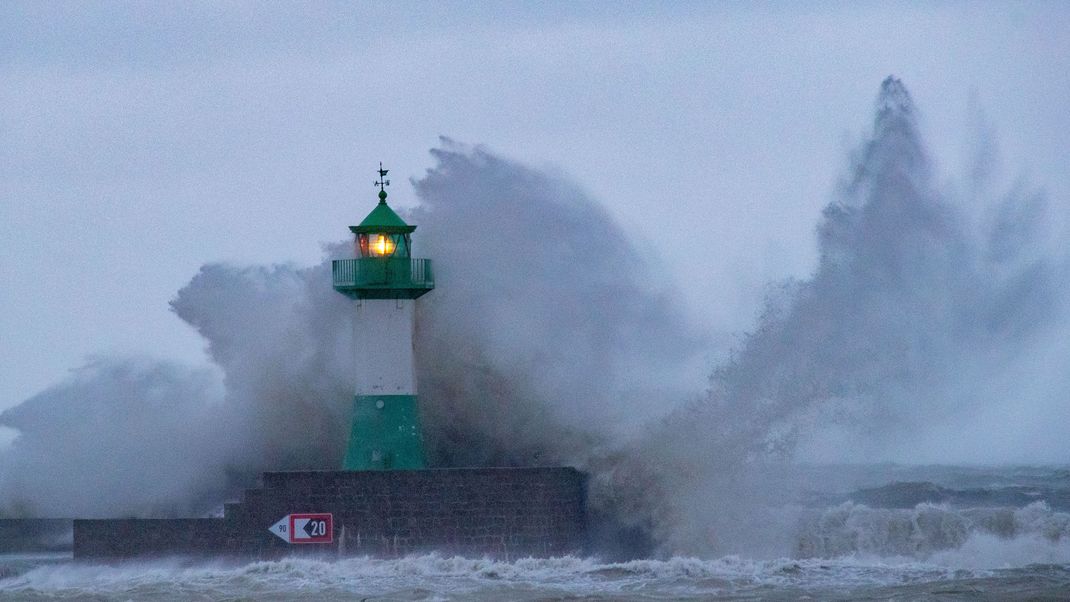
(279, 337)
(551, 339)
(120, 437)
(136, 437)
(550, 336)
(884, 352)
(547, 340)
(439, 577)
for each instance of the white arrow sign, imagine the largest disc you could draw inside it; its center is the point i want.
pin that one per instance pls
(305, 528)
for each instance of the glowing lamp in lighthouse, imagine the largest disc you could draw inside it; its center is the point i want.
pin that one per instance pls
(387, 243)
(384, 280)
(377, 245)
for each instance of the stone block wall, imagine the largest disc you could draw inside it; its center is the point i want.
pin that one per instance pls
(499, 512)
(35, 535)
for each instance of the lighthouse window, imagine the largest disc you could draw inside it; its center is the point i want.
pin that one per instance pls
(382, 245)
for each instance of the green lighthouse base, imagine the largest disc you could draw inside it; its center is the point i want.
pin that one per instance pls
(385, 434)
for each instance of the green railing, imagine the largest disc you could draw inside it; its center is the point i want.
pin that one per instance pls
(371, 274)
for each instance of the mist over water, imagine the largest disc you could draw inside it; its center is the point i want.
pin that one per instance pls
(547, 339)
(550, 336)
(119, 438)
(931, 331)
(914, 331)
(908, 322)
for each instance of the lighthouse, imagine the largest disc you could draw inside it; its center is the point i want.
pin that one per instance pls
(380, 493)
(384, 281)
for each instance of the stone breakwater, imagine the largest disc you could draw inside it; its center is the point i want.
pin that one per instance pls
(495, 512)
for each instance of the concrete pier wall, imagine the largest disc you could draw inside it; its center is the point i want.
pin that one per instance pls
(499, 512)
(35, 535)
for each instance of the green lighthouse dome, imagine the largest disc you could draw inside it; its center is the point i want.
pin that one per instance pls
(384, 267)
(382, 219)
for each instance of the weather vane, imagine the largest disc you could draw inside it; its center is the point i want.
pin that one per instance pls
(382, 182)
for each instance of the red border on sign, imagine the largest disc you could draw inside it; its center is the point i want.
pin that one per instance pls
(327, 538)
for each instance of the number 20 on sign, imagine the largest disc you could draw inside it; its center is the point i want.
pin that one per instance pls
(305, 528)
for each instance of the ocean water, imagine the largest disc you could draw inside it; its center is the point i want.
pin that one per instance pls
(899, 533)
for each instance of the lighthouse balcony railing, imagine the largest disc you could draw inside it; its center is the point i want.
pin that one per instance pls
(382, 273)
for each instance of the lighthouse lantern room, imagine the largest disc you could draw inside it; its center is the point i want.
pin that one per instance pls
(384, 281)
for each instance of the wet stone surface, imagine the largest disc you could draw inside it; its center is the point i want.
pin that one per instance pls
(496, 512)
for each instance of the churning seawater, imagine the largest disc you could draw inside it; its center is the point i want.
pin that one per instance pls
(907, 533)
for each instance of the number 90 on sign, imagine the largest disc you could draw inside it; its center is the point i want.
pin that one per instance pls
(305, 528)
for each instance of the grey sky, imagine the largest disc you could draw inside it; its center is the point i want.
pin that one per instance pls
(141, 140)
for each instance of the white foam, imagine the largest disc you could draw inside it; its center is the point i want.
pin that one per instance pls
(988, 551)
(1034, 533)
(434, 576)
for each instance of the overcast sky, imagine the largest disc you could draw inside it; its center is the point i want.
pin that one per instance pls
(141, 140)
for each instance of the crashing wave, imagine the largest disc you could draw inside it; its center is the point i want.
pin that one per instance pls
(924, 530)
(910, 494)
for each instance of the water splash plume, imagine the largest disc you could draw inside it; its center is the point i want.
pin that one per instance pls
(551, 340)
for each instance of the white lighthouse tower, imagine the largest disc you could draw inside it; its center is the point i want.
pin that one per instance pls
(384, 281)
